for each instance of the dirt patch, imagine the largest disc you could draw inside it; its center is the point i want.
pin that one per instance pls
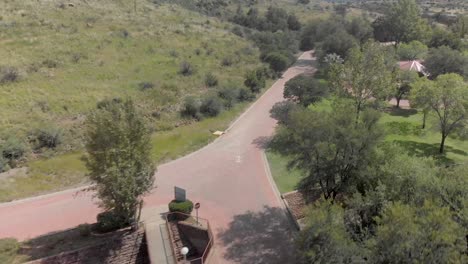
(16, 172)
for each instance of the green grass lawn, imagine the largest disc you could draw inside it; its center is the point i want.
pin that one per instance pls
(403, 127)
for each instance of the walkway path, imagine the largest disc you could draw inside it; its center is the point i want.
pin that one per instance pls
(228, 177)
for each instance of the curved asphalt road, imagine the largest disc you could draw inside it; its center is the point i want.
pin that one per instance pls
(229, 177)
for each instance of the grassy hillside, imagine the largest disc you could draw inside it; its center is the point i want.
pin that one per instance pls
(70, 56)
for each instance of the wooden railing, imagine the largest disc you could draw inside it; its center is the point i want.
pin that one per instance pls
(177, 216)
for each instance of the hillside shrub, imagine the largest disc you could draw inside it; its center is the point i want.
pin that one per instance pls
(245, 95)
(50, 63)
(227, 61)
(211, 80)
(8, 75)
(186, 68)
(278, 62)
(230, 95)
(185, 207)
(3, 164)
(84, 230)
(211, 106)
(255, 80)
(12, 149)
(145, 85)
(8, 249)
(47, 137)
(191, 108)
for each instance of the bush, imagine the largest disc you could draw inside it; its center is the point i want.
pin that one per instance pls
(255, 81)
(211, 106)
(13, 149)
(8, 249)
(47, 137)
(227, 61)
(145, 85)
(237, 31)
(186, 68)
(211, 80)
(50, 63)
(230, 95)
(8, 75)
(245, 95)
(280, 111)
(185, 207)
(109, 221)
(3, 164)
(191, 108)
(84, 230)
(278, 62)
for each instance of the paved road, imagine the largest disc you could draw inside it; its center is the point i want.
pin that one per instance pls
(228, 177)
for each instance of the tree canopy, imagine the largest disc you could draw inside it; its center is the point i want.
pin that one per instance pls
(119, 157)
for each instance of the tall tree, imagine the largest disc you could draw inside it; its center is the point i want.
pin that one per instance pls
(448, 98)
(329, 147)
(404, 81)
(420, 98)
(444, 60)
(404, 22)
(408, 234)
(366, 74)
(119, 157)
(305, 90)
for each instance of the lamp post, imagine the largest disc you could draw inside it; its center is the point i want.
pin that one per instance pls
(184, 251)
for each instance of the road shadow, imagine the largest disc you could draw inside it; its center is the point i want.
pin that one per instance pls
(421, 149)
(262, 142)
(264, 237)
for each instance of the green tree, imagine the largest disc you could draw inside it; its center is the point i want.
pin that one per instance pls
(278, 62)
(360, 28)
(325, 238)
(329, 147)
(404, 22)
(414, 50)
(340, 42)
(460, 28)
(119, 158)
(444, 60)
(366, 74)
(442, 37)
(404, 81)
(419, 98)
(448, 98)
(407, 234)
(305, 90)
(255, 80)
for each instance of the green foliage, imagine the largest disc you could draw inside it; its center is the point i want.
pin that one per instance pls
(85, 229)
(191, 108)
(406, 234)
(185, 207)
(404, 79)
(360, 28)
(414, 50)
(367, 73)
(293, 23)
(245, 95)
(403, 23)
(47, 137)
(443, 37)
(331, 148)
(186, 68)
(3, 164)
(211, 106)
(109, 221)
(255, 80)
(230, 95)
(8, 75)
(444, 60)
(145, 85)
(278, 62)
(325, 238)
(211, 80)
(447, 96)
(119, 158)
(338, 43)
(12, 149)
(8, 249)
(281, 111)
(305, 90)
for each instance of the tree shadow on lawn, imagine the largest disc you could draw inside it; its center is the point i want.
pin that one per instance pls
(262, 142)
(421, 149)
(394, 111)
(264, 237)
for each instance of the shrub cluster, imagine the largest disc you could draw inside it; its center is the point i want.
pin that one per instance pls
(10, 151)
(185, 207)
(8, 75)
(186, 68)
(47, 137)
(109, 221)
